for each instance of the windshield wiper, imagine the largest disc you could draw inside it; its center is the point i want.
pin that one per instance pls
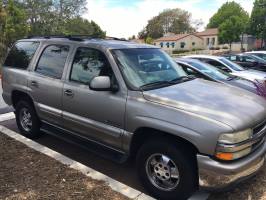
(231, 78)
(158, 84)
(155, 84)
(182, 79)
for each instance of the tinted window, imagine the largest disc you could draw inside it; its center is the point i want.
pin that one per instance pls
(21, 54)
(53, 60)
(89, 63)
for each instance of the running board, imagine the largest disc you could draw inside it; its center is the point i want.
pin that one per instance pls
(86, 144)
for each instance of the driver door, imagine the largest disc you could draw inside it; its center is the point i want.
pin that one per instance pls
(97, 115)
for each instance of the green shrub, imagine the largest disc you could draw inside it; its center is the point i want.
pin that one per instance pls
(225, 47)
(179, 51)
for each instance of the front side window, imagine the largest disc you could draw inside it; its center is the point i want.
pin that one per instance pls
(146, 66)
(52, 61)
(21, 54)
(89, 63)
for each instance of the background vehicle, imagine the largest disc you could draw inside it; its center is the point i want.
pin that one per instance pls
(129, 100)
(230, 67)
(248, 61)
(203, 70)
(261, 54)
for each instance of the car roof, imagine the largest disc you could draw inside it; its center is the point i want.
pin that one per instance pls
(203, 56)
(263, 52)
(182, 59)
(105, 43)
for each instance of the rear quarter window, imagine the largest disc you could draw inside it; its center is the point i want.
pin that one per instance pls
(21, 54)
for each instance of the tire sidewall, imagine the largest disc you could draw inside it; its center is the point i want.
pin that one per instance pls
(187, 170)
(35, 130)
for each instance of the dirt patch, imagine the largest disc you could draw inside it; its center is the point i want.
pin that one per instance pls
(252, 189)
(28, 174)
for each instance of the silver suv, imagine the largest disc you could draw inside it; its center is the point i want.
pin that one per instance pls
(134, 101)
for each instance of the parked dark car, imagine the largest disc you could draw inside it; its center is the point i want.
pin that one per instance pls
(203, 70)
(261, 54)
(248, 61)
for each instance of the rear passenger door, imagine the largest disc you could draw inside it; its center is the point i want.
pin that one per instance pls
(46, 83)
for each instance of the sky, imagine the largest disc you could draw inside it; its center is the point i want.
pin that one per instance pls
(124, 18)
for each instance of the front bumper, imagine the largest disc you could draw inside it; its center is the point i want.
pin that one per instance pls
(214, 175)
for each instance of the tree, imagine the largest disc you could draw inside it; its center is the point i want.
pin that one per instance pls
(229, 30)
(80, 26)
(232, 21)
(15, 24)
(226, 11)
(170, 20)
(258, 20)
(50, 16)
(149, 40)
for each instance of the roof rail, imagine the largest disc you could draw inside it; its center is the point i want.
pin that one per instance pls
(74, 37)
(70, 37)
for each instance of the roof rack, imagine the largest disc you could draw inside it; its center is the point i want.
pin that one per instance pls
(74, 37)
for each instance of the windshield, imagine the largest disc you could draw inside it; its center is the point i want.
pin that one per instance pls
(142, 67)
(257, 58)
(231, 64)
(210, 70)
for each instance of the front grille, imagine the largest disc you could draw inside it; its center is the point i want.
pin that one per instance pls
(259, 133)
(259, 127)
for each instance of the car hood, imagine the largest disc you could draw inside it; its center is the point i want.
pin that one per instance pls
(251, 74)
(226, 104)
(244, 84)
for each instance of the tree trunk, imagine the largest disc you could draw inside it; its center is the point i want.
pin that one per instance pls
(230, 46)
(242, 38)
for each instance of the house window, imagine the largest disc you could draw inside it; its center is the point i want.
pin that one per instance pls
(173, 45)
(167, 44)
(161, 44)
(182, 45)
(193, 43)
(213, 41)
(208, 41)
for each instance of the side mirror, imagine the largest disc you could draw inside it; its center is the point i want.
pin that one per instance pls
(225, 69)
(101, 83)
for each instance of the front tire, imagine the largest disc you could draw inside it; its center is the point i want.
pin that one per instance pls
(167, 170)
(27, 119)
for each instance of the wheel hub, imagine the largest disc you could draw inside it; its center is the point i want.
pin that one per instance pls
(162, 172)
(25, 119)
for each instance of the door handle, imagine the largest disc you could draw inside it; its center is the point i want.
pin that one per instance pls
(69, 93)
(34, 83)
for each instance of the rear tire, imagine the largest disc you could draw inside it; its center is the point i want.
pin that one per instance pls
(27, 119)
(167, 170)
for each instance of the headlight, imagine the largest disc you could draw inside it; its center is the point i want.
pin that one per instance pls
(229, 145)
(233, 138)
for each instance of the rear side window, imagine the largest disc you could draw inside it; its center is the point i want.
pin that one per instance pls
(21, 54)
(52, 61)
